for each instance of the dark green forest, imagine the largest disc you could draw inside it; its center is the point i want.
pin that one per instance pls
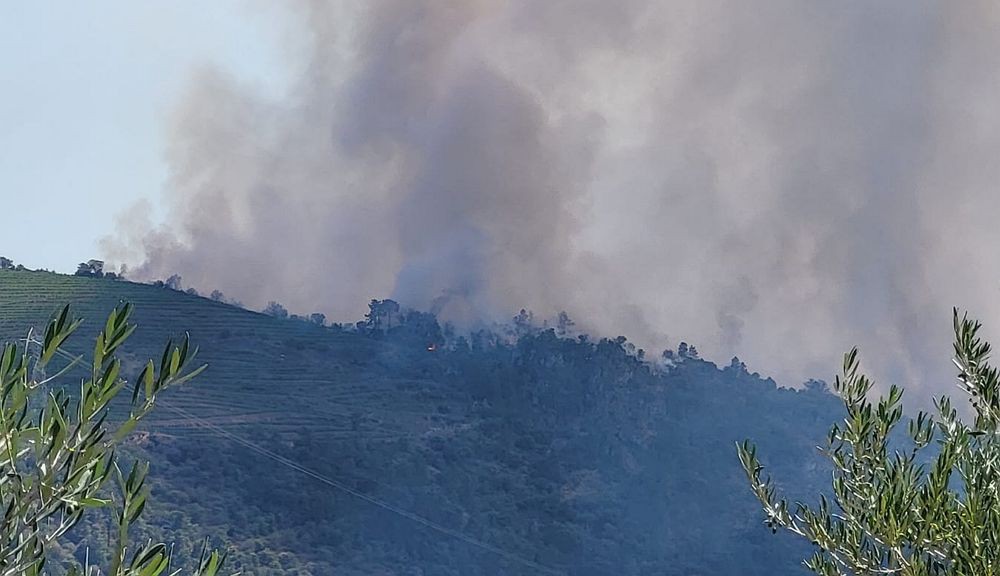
(523, 449)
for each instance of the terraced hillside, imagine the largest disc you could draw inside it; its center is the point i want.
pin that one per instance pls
(482, 456)
(261, 369)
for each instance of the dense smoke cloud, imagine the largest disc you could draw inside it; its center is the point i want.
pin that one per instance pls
(778, 180)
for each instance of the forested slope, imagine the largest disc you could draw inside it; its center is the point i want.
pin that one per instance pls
(511, 453)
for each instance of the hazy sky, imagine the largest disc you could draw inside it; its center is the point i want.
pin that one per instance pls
(86, 87)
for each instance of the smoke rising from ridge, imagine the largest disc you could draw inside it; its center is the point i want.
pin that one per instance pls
(779, 180)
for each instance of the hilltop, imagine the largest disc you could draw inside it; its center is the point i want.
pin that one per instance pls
(487, 455)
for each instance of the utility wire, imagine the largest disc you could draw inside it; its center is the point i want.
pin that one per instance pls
(371, 499)
(345, 488)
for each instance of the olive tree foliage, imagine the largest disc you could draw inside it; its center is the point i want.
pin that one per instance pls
(931, 507)
(57, 450)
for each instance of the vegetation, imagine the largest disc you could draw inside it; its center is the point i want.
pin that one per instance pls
(550, 446)
(929, 509)
(92, 268)
(275, 309)
(57, 451)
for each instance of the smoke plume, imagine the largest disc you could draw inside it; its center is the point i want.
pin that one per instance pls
(779, 180)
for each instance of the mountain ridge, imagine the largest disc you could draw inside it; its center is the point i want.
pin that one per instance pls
(569, 453)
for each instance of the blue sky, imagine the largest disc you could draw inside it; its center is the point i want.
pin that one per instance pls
(86, 91)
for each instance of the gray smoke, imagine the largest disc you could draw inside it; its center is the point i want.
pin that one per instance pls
(779, 180)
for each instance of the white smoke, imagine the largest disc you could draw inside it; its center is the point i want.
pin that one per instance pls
(779, 180)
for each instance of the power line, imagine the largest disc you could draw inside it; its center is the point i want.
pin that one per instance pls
(370, 499)
(345, 488)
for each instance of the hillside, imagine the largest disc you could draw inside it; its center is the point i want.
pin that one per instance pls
(480, 456)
